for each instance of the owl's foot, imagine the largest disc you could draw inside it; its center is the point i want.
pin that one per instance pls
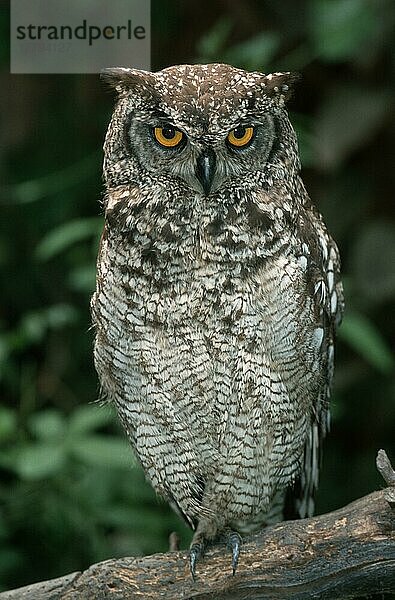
(234, 542)
(196, 551)
(200, 541)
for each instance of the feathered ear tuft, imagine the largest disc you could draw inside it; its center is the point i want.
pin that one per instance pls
(280, 85)
(122, 79)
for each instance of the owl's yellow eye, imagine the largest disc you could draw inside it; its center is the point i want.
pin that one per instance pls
(168, 136)
(240, 136)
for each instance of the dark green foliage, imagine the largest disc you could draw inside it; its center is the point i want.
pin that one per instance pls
(70, 491)
(72, 494)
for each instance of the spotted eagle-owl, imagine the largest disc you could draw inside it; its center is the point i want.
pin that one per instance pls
(217, 296)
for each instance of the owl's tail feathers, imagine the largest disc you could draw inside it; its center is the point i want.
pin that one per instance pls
(205, 534)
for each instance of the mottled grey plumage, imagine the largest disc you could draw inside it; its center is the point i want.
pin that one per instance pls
(215, 310)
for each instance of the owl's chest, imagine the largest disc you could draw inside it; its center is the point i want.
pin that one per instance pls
(159, 280)
(199, 299)
(213, 294)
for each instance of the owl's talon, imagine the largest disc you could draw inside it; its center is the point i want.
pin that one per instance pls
(234, 543)
(195, 552)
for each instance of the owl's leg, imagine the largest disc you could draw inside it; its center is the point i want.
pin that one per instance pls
(234, 541)
(196, 551)
(206, 533)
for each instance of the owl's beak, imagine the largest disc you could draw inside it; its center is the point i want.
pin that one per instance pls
(205, 169)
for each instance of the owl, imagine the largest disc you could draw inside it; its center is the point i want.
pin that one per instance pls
(217, 297)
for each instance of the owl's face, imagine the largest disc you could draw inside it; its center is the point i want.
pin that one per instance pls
(199, 126)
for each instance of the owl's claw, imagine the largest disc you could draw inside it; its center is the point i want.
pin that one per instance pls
(233, 541)
(195, 552)
(234, 544)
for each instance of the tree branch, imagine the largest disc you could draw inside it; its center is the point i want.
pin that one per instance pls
(344, 554)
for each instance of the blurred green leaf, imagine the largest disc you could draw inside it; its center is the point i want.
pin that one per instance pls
(83, 278)
(86, 418)
(120, 516)
(47, 425)
(342, 28)
(33, 327)
(36, 189)
(212, 43)
(257, 53)
(35, 324)
(8, 423)
(59, 315)
(373, 261)
(104, 450)
(38, 461)
(66, 235)
(362, 335)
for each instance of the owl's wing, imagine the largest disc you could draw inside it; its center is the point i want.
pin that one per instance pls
(329, 305)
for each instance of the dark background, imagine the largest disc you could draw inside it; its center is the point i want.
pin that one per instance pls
(70, 492)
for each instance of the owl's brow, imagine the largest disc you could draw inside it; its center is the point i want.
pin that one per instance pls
(160, 115)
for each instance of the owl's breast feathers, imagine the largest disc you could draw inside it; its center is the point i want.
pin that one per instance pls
(215, 330)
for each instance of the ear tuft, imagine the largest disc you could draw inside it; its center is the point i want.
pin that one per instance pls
(123, 79)
(280, 85)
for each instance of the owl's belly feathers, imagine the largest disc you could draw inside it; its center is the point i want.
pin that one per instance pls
(214, 384)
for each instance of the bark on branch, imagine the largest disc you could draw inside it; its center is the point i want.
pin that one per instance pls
(348, 553)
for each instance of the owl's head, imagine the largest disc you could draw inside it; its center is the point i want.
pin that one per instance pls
(203, 127)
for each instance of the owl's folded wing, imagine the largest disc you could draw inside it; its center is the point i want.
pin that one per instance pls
(329, 305)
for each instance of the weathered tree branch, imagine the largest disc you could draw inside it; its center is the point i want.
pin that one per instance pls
(344, 554)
